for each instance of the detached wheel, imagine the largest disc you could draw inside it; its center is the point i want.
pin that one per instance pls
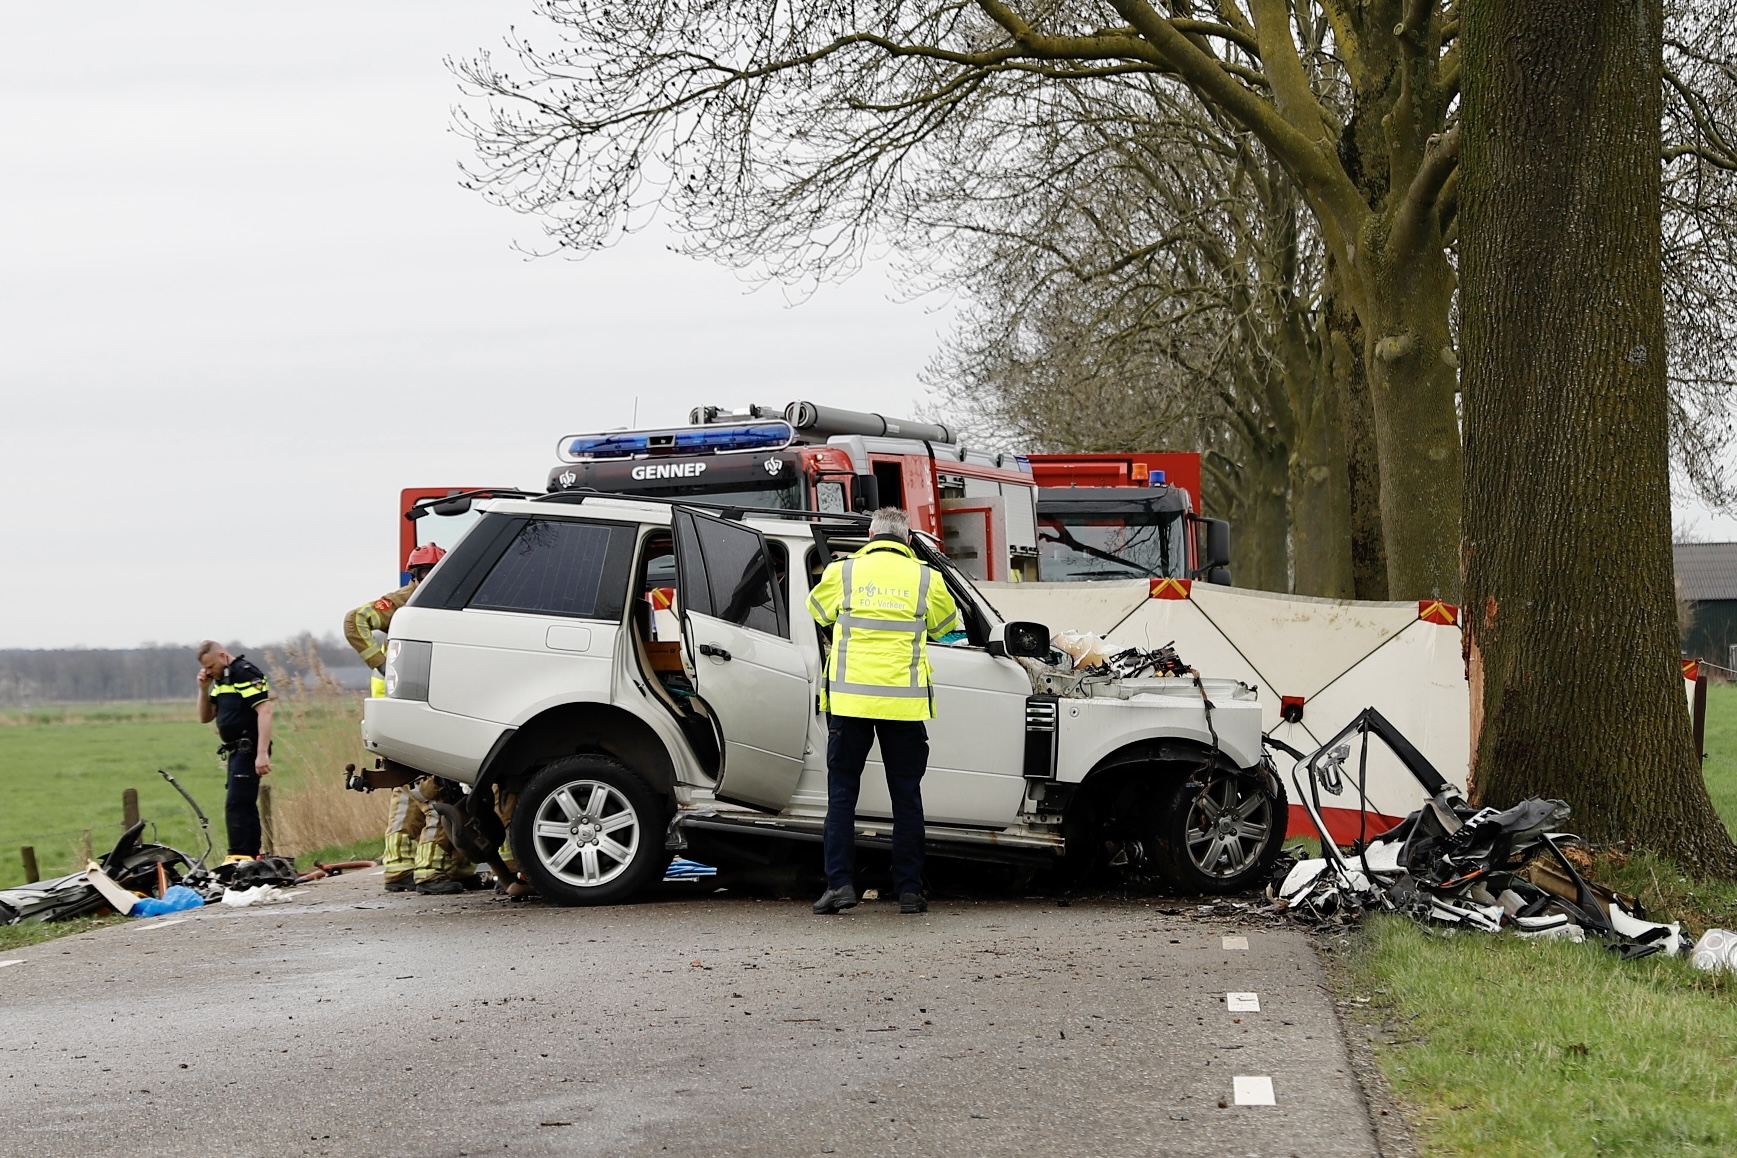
(587, 831)
(1221, 831)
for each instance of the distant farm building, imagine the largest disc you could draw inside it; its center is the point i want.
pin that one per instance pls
(1707, 582)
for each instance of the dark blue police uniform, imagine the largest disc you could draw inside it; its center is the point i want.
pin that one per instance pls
(236, 695)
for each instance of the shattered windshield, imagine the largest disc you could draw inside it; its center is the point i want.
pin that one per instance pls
(1138, 546)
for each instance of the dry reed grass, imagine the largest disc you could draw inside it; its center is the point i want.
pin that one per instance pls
(317, 730)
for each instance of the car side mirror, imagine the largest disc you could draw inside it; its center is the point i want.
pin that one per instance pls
(868, 494)
(450, 506)
(1023, 640)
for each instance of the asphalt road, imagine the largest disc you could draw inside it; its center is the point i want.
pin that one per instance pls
(354, 1022)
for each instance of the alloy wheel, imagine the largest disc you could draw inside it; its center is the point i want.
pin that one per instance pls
(586, 833)
(1228, 826)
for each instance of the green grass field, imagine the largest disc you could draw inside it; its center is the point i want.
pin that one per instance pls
(1507, 1047)
(63, 770)
(1721, 763)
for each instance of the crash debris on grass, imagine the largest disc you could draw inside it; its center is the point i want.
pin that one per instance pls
(148, 880)
(1452, 865)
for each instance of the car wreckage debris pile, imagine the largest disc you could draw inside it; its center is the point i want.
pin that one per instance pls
(1451, 865)
(140, 879)
(151, 880)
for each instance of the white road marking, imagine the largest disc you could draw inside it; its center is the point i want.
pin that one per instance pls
(14, 961)
(164, 924)
(1236, 942)
(1254, 1091)
(1242, 1002)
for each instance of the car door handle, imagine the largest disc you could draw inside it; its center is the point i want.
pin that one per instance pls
(711, 650)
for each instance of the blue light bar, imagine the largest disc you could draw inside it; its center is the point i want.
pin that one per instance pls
(1155, 479)
(719, 439)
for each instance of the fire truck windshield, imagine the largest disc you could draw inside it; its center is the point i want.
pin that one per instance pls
(1119, 546)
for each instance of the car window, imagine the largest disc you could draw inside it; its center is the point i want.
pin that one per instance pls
(561, 567)
(969, 599)
(731, 573)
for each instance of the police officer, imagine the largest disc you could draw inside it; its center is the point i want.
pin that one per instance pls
(408, 817)
(884, 606)
(237, 695)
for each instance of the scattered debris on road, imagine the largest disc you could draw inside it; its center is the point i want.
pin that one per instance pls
(257, 895)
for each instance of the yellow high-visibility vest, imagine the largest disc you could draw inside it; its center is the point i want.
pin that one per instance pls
(884, 606)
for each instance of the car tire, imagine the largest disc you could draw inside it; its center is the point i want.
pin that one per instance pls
(1221, 831)
(588, 831)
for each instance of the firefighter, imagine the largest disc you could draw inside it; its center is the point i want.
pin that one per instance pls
(361, 624)
(440, 868)
(884, 605)
(407, 819)
(237, 695)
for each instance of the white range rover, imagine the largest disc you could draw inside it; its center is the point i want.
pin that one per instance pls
(641, 674)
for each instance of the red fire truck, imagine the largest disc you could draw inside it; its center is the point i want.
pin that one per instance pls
(1126, 516)
(1000, 517)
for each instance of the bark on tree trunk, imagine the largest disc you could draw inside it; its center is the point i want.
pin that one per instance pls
(1321, 497)
(1568, 560)
(1362, 466)
(1259, 556)
(1412, 383)
(1319, 493)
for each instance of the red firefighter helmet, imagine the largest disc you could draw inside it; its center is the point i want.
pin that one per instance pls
(426, 555)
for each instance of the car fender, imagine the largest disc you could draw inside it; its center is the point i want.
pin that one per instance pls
(587, 726)
(1092, 731)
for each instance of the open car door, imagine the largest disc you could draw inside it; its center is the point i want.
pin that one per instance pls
(736, 632)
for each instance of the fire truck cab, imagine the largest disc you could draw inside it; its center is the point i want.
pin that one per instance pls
(1000, 517)
(805, 457)
(1126, 516)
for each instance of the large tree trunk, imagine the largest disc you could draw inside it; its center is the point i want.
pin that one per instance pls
(1320, 507)
(1412, 384)
(1320, 493)
(1568, 558)
(1362, 465)
(1259, 546)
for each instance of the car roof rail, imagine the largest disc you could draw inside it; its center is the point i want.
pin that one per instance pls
(460, 501)
(732, 511)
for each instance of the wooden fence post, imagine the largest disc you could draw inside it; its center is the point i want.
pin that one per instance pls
(31, 876)
(129, 808)
(267, 837)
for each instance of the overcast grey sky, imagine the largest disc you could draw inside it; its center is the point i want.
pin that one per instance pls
(245, 301)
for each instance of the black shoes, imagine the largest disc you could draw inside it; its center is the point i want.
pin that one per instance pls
(844, 897)
(442, 887)
(833, 900)
(403, 884)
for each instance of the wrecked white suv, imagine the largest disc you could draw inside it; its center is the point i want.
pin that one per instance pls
(634, 672)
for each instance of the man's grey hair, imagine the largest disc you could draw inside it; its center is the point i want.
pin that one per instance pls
(891, 521)
(208, 647)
